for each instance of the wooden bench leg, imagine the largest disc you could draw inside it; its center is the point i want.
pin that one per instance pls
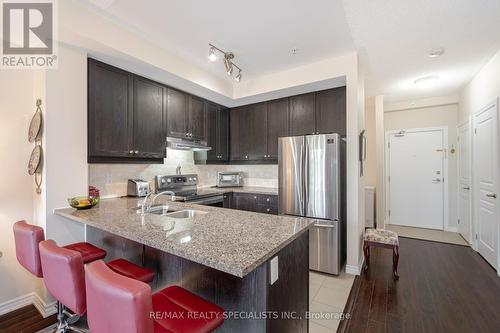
(395, 261)
(366, 252)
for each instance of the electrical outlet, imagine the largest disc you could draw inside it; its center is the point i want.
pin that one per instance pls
(274, 268)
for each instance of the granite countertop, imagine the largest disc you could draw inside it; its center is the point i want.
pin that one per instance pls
(232, 241)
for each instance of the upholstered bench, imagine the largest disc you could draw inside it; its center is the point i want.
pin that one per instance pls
(382, 238)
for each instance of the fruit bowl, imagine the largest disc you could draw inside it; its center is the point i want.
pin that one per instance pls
(83, 202)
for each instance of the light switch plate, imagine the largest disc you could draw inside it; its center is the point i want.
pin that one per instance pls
(274, 269)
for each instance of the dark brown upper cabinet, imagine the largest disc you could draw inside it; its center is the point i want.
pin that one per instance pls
(277, 125)
(257, 122)
(177, 113)
(126, 116)
(196, 118)
(185, 116)
(149, 119)
(217, 120)
(331, 111)
(302, 115)
(240, 134)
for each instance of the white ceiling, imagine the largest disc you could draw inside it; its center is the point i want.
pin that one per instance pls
(261, 33)
(392, 37)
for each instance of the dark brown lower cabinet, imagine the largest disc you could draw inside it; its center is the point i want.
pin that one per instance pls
(253, 202)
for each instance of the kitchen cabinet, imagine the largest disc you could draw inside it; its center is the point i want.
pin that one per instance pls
(126, 116)
(185, 116)
(217, 119)
(331, 111)
(257, 123)
(253, 202)
(302, 114)
(240, 134)
(149, 114)
(227, 200)
(277, 125)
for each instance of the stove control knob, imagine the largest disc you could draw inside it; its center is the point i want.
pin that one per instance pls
(169, 180)
(194, 179)
(163, 180)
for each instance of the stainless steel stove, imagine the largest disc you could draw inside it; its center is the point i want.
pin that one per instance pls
(186, 189)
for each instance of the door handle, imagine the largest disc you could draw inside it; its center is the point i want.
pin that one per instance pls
(492, 195)
(325, 225)
(436, 180)
(466, 188)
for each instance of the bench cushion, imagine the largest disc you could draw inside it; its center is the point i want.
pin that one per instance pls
(381, 236)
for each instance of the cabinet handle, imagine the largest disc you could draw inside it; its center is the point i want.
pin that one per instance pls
(268, 210)
(268, 199)
(131, 152)
(255, 197)
(136, 152)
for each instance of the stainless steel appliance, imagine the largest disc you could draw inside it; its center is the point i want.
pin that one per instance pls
(186, 189)
(312, 184)
(187, 144)
(229, 179)
(138, 188)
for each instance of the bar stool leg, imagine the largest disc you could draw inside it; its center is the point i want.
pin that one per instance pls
(63, 326)
(395, 261)
(366, 252)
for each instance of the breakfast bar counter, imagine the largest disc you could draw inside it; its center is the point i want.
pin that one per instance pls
(245, 262)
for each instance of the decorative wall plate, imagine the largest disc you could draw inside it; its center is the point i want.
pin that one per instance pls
(35, 126)
(35, 159)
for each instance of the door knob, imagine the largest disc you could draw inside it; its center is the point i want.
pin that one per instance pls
(492, 195)
(436, 180)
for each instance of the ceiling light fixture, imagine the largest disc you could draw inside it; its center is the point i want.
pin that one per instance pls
(228, 61)
(212, 56)
(426, 81)
(436, 53)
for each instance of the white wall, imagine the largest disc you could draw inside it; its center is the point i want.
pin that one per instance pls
(483, 89)
(16, 186)
(434, 116)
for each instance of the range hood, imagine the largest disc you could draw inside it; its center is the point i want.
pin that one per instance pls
(187, 144)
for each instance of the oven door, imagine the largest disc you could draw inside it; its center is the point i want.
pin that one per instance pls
(215, 201)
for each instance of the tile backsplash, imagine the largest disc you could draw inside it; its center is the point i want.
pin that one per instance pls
(111, 179)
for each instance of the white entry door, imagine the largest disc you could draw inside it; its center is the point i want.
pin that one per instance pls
(486, 182)
(464, 182)
(416, 166)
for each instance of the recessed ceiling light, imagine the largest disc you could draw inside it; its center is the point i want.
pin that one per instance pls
(426, 81)
(436, 53)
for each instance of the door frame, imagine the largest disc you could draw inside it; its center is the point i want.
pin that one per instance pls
(387, 170)
(475, 194)
(469, 124)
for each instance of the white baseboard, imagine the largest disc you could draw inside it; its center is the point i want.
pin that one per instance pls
(451, 229)
(352, 269)
(45, 309)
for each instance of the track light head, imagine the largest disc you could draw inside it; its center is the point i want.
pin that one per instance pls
(238, 77)
(212, 56)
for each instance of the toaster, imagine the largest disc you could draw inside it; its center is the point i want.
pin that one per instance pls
(229, 179)
(138, 188)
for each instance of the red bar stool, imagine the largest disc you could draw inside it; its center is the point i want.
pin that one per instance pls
(117, 304)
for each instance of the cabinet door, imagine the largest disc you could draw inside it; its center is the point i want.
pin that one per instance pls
(257, 126)
(212, 135)
(331, 111)
(240, 133)
(223, 133)
(302, 118)
(108, 111)
(177, 109)
(228, 200)
(277, 125)
(244, 201)
(149, 115)
(196, 119)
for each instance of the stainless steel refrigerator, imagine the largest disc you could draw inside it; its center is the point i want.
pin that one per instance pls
(312, 184)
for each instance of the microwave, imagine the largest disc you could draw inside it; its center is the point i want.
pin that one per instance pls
(229, 179)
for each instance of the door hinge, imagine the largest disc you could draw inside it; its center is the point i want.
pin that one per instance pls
(475, 130)
(389, 145)
(389, 212)
(389, 179)
(458, 221)
(476, 236)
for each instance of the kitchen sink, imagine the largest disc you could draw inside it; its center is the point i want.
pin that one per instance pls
(158, 210)
(184, 214)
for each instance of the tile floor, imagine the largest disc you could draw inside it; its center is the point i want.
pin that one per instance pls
(428, 234)
(327, 295)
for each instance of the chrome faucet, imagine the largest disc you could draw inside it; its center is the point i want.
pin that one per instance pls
(178, 170)
(147, 203)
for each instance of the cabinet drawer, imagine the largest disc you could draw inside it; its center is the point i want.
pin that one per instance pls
(267, 209)
(268, 200)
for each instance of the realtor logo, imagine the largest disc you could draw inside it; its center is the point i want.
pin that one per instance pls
(28, 34)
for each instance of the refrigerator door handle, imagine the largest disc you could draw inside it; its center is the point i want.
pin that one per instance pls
(305, 178)
(325, 225)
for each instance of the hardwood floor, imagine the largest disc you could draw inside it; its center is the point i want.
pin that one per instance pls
(24, 320)
(442, 288)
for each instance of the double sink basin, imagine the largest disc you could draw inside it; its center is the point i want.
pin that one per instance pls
(175, 214)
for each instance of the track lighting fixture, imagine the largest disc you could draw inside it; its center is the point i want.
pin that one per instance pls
(228, 61)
